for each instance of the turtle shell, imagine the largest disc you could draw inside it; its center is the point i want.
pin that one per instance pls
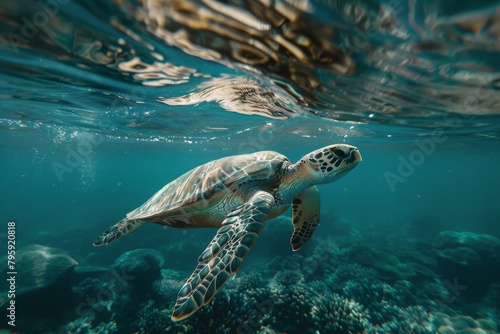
(204, 187)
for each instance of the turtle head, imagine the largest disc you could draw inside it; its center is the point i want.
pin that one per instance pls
(330, 163)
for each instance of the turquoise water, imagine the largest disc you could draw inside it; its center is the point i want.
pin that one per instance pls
(104, 103)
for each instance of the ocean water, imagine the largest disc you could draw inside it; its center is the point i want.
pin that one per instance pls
(105, 102)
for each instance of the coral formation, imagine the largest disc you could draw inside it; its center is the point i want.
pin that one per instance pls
(472, 259)
(330, 288)
(463, 324)
(412, 319)
(140, 266)
(336, 314)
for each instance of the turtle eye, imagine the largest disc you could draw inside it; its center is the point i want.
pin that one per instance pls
(338, 152)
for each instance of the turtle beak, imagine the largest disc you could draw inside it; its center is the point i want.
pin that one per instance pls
(357, 156)
(354, 156)
(351, 161)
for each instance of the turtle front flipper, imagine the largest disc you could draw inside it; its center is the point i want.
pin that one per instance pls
(123, 227)
(305, 216)
(224, 254)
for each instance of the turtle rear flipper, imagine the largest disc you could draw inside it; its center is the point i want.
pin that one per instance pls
(123, 227)
(224, 254)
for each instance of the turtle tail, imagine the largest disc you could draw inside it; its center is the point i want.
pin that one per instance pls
(123, 227)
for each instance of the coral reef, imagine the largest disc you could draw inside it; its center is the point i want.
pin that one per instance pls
(82, 326)
(140, 266)
(330, 288)
(462, 324)
(412, 319)
(472, 259)
(336, 314)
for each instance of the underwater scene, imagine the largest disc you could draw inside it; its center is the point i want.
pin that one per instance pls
(250, 166)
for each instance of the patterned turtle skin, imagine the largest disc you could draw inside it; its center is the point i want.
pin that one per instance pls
(237, 195)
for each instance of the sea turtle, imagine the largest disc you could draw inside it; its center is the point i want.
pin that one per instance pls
(237, 195)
